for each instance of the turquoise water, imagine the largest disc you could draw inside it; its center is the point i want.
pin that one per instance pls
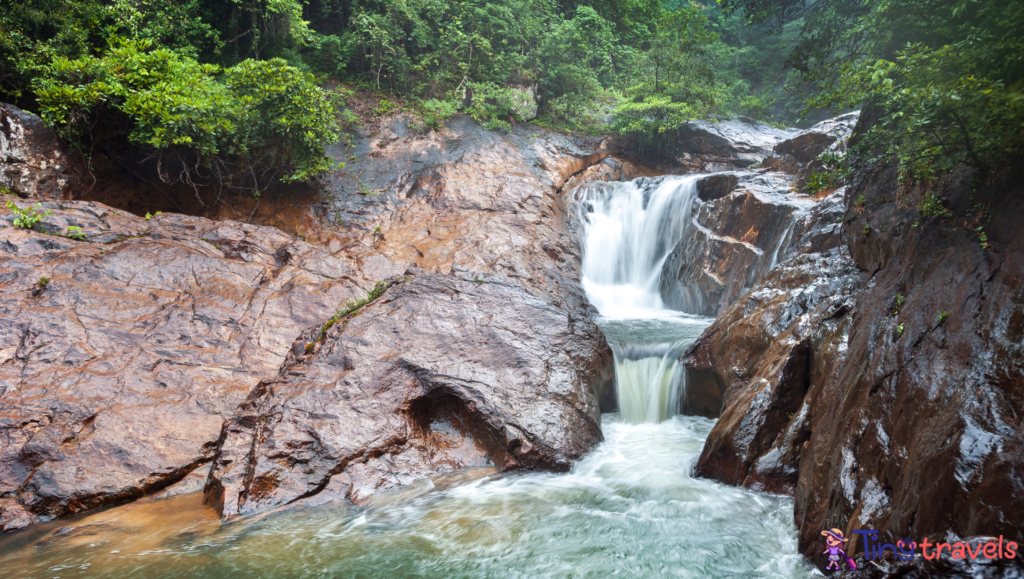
(628, 509)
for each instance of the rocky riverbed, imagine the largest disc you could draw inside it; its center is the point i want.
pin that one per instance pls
(424, 315)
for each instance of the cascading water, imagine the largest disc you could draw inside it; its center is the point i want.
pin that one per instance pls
(629, 230)
(630, 508)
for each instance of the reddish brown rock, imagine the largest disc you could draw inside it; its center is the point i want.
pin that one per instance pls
(761, 357)
(120, 370)
(117, 373)
(746, 224)
(484, 200)
(33, 162)
(440, 373)
(800, 154)
(911, 420)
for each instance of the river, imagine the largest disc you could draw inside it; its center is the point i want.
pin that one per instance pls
(630, 508)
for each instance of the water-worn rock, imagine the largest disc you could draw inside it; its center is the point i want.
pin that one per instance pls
(117, 372)
(709, 146)
(747, 222)
(761, 358)
(33, 162)
(441, 372)
(912, 426)
(502, 365)
(484, 200)
(799, 154)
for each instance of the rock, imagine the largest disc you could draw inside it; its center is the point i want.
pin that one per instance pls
(910, 423)
(611, 168)
(747, 222)
(117, 374)
(484, 200)
(799, 155)
(760, 358)
(34, 163)
(440, 373)
(710, 146)
(716, 186)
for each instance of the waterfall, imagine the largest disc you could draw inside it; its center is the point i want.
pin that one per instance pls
(630, 229)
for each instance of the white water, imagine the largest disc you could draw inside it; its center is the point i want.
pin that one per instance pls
(630, 508)
(630, 229)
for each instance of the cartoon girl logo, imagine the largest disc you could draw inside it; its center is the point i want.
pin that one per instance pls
(834, 541)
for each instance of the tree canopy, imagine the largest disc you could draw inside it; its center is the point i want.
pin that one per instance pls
(944, 79)
(231, 90)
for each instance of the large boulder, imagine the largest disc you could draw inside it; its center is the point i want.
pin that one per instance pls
(123, 352)
(726, 145)
(440, 373)
(761, 357)
(507, 357)
(34, 163)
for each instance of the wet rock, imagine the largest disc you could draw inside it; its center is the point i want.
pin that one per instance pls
(485, 200)
(33, 162)
(716, 186)
(747, 223)
(440, 373)
(611, 168)
(761, 358)
(116, 377)
(910, 424)
(710, 146)
(799, 154)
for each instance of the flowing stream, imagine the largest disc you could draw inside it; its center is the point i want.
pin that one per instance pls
(630, 508)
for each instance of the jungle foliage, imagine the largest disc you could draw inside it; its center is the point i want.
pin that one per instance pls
(942, 80)
(230, 91)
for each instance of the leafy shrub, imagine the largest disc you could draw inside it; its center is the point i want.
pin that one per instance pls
(933, 206)
(260, 116)
(436, 112)
(28, 217)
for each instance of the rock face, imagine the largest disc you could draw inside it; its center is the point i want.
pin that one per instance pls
(399, 399)
(464, 196)
(762, 357)
(440, 373)
(747, 222)
(711, 146)
(799, 154)
(33, 163)
(892, 400)
(117, 373)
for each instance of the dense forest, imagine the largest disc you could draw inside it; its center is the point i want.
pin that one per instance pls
(234, 90)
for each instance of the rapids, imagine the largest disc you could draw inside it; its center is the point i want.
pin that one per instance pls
(630, 508)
